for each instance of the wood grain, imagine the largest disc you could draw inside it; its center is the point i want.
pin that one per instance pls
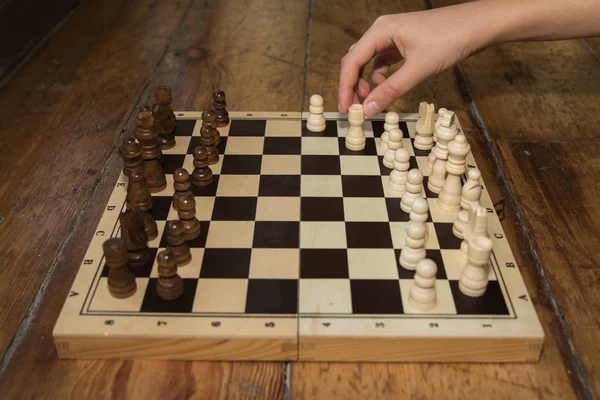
(556, 188)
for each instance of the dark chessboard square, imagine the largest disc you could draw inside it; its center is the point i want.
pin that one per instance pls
(433, 254)
(374, 296)
(276, 234)
(198, 242)
(195, 141)
(242, 127)
(491, 303)
(324, 263)
(161, 205)
(241, 164)
(362, 186)
(404, 128)
(283, 145)
(185, 127)
(234, 209)
(272, 296)
(445, 236)
(143, 271)
(279, 185)
(396, 214)
(170, 162)
(428, 193)
(377, 127)
(383, 170)
(154, 304)
(330, 130)
(204, 191)
(321, 165)
(225, 263)
(419, 153)
(322, 209)
(369, 150)
(373, 235)
(222, 144)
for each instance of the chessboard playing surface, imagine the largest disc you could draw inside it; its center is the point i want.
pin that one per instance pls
(298, 260)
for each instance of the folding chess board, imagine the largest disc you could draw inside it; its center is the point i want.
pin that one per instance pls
(298, 260)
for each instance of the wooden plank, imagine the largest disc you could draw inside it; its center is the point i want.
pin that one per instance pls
(556, 188)
(69, 103)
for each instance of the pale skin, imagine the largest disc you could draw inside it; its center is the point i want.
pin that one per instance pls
(434, 40)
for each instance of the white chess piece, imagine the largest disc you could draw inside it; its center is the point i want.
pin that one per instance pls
(414, 245)
(399, 175)
(414, 189)
(478, 226)
(474, 280)
(445, 133)
(471, 193)
(394, 143)
(419, 211)
(424, 127)
(449, 197)
(355, 138)
(422, 295)
(316, 121)
(431, 158)
(392, 121)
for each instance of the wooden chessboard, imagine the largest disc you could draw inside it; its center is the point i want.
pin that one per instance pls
(298, 260)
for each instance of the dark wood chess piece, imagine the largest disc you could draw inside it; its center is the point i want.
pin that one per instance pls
(131, 153)
(138, 195)
(145, 133)
(177, 244)
(182, 186)
(209, 118)
(187, 215)
(121, 280)
(208, 141)
(164, 117)
(220, 103)
(135, 237)
(202, 174)
(169, 285)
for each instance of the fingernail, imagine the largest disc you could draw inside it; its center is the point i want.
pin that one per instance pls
(372, 108)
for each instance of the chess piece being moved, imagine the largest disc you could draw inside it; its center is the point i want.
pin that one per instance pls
(209, 118)
(471, 193)
(394, 143)
(131, 153)
(414, 189)
(145, 133)
(414, 245)
(181, 184)
(187, 215)
(177, 244)
(399, 175)
(422, 295)
(208, 141)
(446, 132)
(121, 280)
(424, 127)
(220, 104)
(202, 175)
(169, 285)
(164, 117)
(316, 121)
(449, 197)
(391, 121)
(135, 237)
(355, 138)
(478, 226)
(474, 277)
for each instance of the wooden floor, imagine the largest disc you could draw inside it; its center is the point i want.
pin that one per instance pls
(531, 110)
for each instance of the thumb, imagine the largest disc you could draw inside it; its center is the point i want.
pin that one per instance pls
(403, 80)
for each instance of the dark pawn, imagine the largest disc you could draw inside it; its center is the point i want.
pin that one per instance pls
(209, 118)
(121, 280)
(150, 226)
(138, 195)
(219, 103)
(131, 153)
(145, 133)
(208, 140)
(187, 215)
(169, 285)
(135, 237)
(165, 117)
(202, 175)
(182, 186)
(177, 244)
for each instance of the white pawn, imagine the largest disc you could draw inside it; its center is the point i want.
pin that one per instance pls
(394, 143)
(474, 280)
(438, 121)
(478, 226)
(419, 212)
(392, 121)
(424, 127)
(355, 138)
(399, 175)
(422, 295)
(316, 121)
(414, 189)
(471, 193)
(449, 197)
(414, 245)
